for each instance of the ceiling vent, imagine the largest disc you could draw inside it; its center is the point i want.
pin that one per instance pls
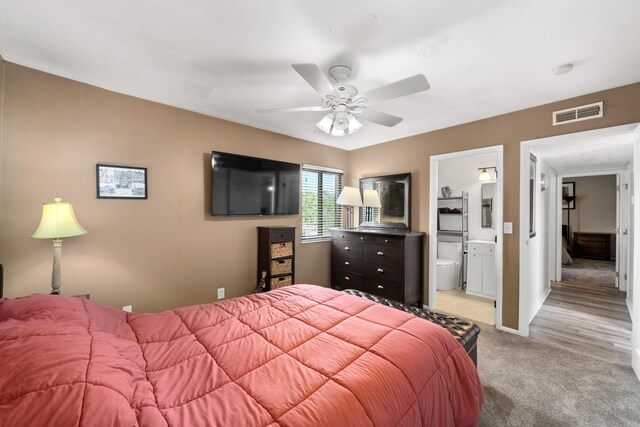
(577, 114)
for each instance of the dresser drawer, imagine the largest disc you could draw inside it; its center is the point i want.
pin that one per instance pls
(353, 265)
(388, 241)
(345, 280)
(481, 249)
(382, 254)
(348, 249)
(284, 235)
(343, 236)
(383, 270)
(384, 288)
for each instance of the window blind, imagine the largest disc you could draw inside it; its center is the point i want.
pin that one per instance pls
(320, 190)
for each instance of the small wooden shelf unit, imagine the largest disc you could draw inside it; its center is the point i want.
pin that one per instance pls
(276, 256)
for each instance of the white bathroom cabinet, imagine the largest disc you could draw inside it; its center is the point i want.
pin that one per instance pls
(481, 273)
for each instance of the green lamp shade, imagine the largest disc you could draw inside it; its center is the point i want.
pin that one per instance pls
(58, 220)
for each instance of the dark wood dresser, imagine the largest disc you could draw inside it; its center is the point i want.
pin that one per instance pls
(276, 256)
(592, 245)
(388, 263)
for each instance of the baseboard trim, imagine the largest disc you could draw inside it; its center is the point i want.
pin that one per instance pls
(505, 329)
(539, 304)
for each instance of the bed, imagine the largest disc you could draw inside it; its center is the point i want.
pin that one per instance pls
(297, 356)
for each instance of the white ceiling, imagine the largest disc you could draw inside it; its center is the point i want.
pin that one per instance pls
(228, 58)
(588, 155)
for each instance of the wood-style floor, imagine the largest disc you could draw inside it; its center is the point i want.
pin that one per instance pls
(586, 313)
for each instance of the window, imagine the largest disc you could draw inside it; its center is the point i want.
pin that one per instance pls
(320, 190)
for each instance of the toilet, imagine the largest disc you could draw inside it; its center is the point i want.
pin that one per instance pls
(448, 265)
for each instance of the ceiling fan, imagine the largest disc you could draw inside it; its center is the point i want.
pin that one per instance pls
(345, 104)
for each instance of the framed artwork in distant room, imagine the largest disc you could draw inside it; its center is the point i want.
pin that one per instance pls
(121, 182)
(568, 189)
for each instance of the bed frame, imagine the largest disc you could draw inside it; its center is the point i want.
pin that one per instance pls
(463, 330)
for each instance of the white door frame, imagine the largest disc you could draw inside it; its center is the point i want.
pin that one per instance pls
(433, 222)
(525, 149)
(621, 220)
(635, 316)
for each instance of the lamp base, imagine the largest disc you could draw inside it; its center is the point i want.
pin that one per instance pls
(56, 280)
(350, 219)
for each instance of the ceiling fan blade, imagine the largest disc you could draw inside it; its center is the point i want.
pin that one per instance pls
(408, 86)
(293, 109)
(316, 78)
(380, 118)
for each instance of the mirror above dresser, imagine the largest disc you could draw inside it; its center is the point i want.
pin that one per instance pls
(387, 201)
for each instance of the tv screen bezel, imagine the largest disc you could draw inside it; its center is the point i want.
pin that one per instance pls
(298, 166)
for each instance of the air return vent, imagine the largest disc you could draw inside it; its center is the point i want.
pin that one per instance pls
(576, 114)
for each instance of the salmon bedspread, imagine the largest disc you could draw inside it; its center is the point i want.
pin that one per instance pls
(297, 356)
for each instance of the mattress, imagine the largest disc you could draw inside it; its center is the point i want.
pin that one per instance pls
(297, 356)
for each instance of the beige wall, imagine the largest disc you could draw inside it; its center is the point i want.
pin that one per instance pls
(156, 254)
(2, 64)
(412, 155)
(167, 251)
(595, 204)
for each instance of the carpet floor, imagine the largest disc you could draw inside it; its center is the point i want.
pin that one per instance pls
(529, 383)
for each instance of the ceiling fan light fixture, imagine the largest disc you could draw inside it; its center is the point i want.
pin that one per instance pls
(341, 121)
(339, 124)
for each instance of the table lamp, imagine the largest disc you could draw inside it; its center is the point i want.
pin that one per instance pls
(370, 199)
(349, 197)
(58, 220)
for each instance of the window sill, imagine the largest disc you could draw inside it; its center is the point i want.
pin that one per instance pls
(318, 240)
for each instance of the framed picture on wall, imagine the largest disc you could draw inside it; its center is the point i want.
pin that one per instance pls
(121, 182)
(568, 191)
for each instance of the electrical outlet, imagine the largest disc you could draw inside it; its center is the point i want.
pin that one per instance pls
(220, 293)
(128, 308)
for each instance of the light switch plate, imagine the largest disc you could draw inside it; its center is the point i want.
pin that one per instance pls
(128, 308)
(508, 228)
(220, 293)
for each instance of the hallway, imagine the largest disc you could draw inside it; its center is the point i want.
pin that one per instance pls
(586, 313)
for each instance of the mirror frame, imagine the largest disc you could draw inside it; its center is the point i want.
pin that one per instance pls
(406, 224)
(482, 198)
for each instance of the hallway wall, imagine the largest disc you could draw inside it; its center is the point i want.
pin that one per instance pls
(595, 210)
(595, 204)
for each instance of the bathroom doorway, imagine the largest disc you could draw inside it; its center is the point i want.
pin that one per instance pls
(465, 245)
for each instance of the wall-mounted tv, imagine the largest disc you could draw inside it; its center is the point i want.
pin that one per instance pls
(242, 185)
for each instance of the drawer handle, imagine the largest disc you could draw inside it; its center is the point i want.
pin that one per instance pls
(380, 270)
(380, 253)
(386, 240)
(346, 248)
(346, 277)
(362, 238)
(281, 235)
(346, 263)
(281, 262)
(380, 287)
(342, 235)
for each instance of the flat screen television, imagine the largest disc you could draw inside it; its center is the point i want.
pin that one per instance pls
(242, 185)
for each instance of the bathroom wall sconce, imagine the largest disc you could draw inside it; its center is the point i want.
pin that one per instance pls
(486, 176)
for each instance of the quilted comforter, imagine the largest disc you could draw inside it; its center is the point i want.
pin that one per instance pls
(297, 356)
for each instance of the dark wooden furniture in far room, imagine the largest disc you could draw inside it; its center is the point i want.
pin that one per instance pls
(592, 245)
(276, 256)
(383, 262)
